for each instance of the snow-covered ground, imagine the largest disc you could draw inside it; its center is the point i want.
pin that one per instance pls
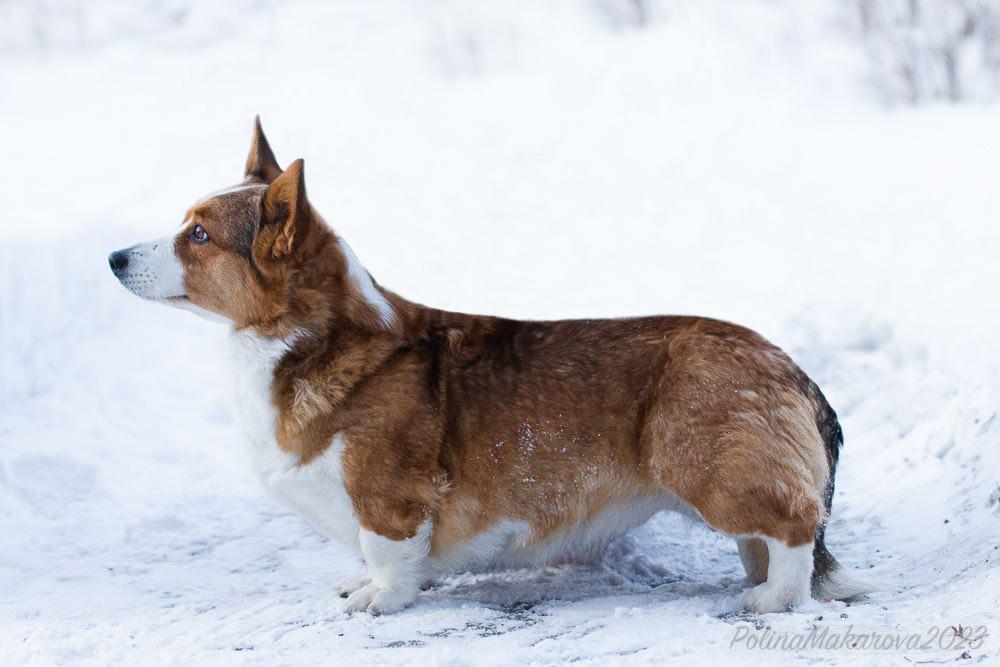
(544, 160)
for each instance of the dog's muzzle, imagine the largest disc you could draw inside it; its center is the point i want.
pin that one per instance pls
(150, 270)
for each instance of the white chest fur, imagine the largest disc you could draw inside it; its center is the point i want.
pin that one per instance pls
(315, 490)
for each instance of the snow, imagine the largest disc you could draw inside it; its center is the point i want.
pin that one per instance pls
(534, 162)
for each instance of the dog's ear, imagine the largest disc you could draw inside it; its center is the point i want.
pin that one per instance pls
(261, 166)
(285, 218)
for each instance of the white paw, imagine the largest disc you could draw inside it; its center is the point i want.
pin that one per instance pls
(788, 574)
(767, 598)
(351, 584)
(377, 600)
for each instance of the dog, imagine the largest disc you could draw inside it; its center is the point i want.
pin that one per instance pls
(434, 442)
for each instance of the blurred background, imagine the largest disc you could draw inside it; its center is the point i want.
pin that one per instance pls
(823, 171)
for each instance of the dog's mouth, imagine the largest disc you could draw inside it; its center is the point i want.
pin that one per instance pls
(147, 286)
(181, 302)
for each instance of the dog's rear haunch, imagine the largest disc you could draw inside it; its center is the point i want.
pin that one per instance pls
(435, 442)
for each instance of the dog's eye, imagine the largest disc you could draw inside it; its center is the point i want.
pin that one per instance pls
(198, 234)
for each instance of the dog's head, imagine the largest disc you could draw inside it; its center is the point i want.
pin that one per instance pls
(257, 254)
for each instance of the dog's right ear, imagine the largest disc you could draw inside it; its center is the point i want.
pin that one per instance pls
(285, 220)
(261, 166)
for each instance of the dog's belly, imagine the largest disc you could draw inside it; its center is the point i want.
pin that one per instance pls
(510, 544)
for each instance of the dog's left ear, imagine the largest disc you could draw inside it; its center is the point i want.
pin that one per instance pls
(261, 166)
(285, 218)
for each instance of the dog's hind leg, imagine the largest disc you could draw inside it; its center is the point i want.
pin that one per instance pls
(789, 572)
(753, 553)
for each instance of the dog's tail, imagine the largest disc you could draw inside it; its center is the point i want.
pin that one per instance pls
(830, 579)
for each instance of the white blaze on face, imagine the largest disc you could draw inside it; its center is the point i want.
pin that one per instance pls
(153, 270)
(233, 188)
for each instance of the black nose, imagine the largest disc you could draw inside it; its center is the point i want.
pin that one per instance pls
(118, 260)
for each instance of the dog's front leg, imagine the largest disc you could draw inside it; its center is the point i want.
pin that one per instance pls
(396, 568)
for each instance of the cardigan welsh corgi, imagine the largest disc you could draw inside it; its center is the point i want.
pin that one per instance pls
(435, 442)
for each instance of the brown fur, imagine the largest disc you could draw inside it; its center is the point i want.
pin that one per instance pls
(753, 553)
(470, 419)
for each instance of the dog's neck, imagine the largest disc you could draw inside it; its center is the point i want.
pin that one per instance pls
(335, 298)
(322, 291)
